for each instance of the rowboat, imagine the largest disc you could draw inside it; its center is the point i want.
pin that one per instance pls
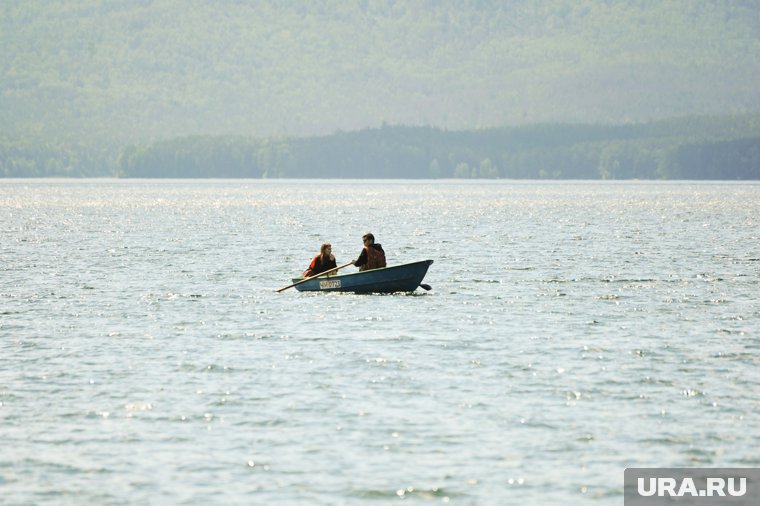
(397, 278)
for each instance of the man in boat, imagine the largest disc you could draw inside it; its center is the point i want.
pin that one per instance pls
(322, 262)
(372, 256)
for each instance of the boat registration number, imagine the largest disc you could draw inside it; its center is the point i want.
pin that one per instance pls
(329, 283)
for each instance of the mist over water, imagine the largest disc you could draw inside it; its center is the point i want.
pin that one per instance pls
(574, 329)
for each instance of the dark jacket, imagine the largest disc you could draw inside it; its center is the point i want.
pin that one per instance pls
(371, 257)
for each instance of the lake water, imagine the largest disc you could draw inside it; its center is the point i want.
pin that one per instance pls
(574, 329)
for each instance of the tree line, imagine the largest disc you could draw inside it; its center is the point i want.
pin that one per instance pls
(687, 148)
(690, 148)
(43, 158)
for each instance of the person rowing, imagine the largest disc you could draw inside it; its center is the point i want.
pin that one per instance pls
(322, 262)
(372, 256)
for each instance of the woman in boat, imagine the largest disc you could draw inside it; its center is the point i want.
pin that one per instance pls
(322, 262)
(372, 256)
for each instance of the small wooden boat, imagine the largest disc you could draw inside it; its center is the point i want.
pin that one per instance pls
(397, 278)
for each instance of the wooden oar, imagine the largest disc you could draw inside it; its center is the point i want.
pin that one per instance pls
(320, 274)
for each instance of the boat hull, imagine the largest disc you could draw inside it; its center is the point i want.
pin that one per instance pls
(398, 278)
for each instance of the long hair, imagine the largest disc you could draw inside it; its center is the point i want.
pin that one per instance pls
(323, 250)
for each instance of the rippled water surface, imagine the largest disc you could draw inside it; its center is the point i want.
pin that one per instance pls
(574, 329)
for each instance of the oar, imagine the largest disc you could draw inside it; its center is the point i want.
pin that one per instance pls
(320, 274)
(426, 287)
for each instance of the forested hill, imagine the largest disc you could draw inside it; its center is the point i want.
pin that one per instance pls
(689, 148)
(725, 147)
(104, 73)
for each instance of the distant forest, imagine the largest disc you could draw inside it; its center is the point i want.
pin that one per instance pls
(303, 89)
(141, 71)
(688, 148)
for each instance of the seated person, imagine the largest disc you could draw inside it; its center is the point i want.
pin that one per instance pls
(322, 262)
(372, 256)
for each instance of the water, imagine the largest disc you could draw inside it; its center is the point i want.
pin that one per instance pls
(574, 329)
